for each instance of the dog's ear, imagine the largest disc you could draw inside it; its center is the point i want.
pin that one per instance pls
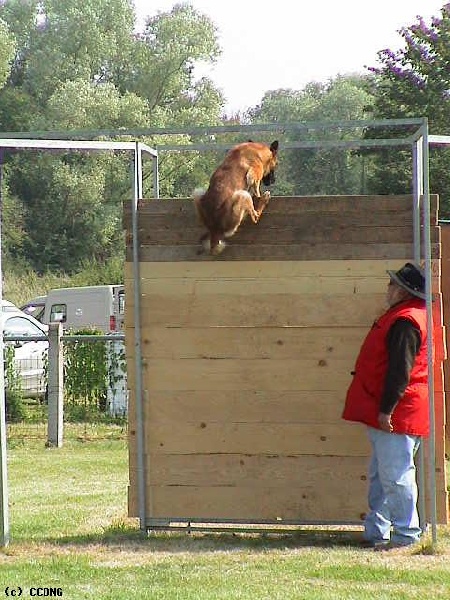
(274, 147)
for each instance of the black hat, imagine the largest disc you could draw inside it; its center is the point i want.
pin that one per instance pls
(411, 278)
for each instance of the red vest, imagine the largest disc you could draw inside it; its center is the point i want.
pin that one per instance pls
(411, 415)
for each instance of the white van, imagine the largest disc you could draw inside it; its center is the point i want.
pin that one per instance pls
(101, 307)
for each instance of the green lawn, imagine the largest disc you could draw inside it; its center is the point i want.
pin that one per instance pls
(70, 531)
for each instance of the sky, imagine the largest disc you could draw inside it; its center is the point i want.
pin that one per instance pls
(288, 43)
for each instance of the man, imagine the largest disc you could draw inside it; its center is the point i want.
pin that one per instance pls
(389, 394)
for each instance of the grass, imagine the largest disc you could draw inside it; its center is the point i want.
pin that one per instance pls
(70, 530)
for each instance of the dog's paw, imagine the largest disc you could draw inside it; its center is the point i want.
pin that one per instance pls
(218, 248)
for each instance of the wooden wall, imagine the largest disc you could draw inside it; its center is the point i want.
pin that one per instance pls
(247, 357)
(445, 279)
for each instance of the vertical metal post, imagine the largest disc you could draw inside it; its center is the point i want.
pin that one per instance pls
(4, 509)
(417, 152)
(417, 156)
(428, 274)
(139, 400)
(55, 386)
(155, 177)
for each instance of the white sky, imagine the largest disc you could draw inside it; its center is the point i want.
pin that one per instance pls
(288, 43)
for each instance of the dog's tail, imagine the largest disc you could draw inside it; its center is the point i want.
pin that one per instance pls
(198, 193)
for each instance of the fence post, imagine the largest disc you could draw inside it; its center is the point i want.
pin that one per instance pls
(55, 386)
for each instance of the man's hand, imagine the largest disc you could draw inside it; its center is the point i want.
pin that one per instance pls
(384, 422)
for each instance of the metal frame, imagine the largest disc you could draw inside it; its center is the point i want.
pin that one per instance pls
(138, 149)
(418, 143)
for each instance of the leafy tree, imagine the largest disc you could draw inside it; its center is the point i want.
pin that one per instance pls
(318, 171)
(414, 81)
(165, 55)
(81, 66)
(7, 52)
(68, 40)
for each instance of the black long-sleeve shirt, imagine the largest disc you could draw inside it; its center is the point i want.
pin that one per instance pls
(403, 341)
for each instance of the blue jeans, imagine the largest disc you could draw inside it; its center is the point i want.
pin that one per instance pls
(392, 488)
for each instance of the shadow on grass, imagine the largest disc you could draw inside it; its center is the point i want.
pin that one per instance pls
(126, 536)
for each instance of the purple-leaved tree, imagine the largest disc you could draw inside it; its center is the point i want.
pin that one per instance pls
(414, 81)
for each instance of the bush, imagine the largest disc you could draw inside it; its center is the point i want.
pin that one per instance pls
(85, 377)
(15, 407)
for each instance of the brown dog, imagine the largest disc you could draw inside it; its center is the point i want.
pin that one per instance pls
(233, 187)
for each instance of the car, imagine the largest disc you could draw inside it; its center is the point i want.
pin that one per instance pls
(35, 307)
(29, 356)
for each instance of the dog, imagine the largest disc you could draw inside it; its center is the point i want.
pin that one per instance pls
(235, 191)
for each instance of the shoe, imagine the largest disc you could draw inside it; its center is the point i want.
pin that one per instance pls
(390, 546)
(373, 543)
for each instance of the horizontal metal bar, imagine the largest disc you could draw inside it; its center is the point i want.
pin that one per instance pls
(25, 338)
(65, 144)
(113, 337)
(439, 140)
(282, 530)
(309, 145)
(217, 129)
(185, 521)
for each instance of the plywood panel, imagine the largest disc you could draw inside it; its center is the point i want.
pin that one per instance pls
(257, 438)
(300, 228)
(281, 231)
(380, 210)
(244, 406)
(244, 342)
(322, 504)
(270, 252)
(252, 374)
(262, 310)
(316, 269)
(247, 358)
(258, 471)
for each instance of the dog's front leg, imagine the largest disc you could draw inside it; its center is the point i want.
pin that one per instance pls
(253, 184)
(261, 203)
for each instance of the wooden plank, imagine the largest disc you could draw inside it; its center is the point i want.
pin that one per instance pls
(326, 251)
(342, 439)
(245, 342)
(319, 205)
(243, 406)
(315, 269)
(294, 285)
(328, 504)
(306, 285)
(257, 471)
(261, 310)
(253, 374)
(285, 231)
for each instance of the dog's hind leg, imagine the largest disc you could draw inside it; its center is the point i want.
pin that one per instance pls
(242, 206)
(216, 243)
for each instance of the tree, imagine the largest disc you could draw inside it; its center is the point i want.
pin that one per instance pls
(81, 66)
(414, 81)
(7, 52)
(166, 53)
(321, 171)
(60, 41)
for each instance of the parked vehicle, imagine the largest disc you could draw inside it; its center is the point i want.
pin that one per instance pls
(35, 307)
(29, 356)
(99, 306)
